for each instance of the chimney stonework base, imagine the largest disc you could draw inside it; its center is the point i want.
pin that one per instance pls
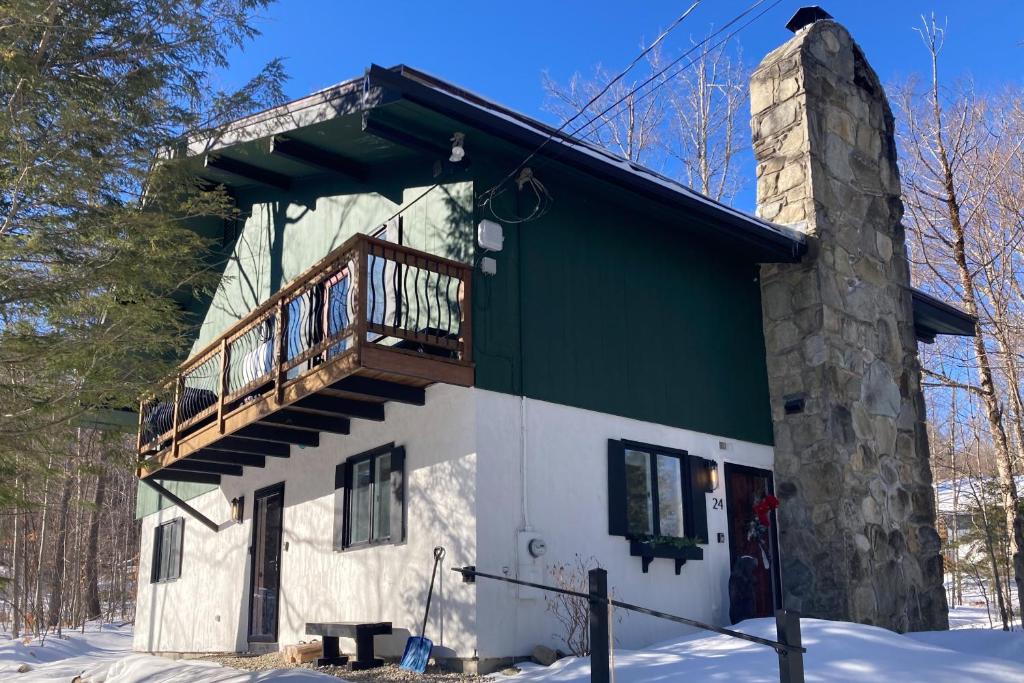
(857, 515)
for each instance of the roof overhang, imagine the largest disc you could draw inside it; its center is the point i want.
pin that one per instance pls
(271, 149)
(933, 317)
(773, 243)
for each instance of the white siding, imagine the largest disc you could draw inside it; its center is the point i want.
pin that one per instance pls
(464, 492)
(206, 609)
(567, 504)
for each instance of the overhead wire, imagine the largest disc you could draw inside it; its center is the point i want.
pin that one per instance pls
(496, 190)
(725, 40)
(493, 192)
(526, 177)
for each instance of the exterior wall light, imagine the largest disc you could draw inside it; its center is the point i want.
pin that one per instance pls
(458, 151)
(237, 509)
(710, 476)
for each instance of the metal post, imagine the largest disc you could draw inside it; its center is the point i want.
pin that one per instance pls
(599, 669)
(791, 662)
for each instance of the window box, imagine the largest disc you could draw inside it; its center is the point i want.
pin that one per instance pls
(648, 548)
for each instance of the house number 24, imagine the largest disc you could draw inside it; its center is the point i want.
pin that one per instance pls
(716, 504)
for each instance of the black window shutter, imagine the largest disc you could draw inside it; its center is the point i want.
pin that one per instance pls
(398, 495)
(696, 500)
(178, 539)
(158, 540)
(342, 475)
(618, 524)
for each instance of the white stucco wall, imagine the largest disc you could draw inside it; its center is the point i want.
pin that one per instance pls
(464, 472)
(567, 505)
(207, 608)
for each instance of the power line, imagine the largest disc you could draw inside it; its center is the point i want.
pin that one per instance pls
(543, 198)
(494, 191)
(490, 193)
(636, 60)
(676, 61)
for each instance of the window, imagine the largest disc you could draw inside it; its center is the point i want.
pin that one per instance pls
(369, 498)
(167, 538)
(654, 491)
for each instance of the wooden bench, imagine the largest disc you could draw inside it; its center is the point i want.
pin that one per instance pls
(363, 634)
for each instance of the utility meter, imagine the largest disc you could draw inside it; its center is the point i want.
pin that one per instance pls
(537, 547)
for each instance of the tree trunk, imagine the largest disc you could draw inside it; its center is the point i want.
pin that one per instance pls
(57, 577)
(16, 553)
(40, 624)
(993, 410)
(93, 609)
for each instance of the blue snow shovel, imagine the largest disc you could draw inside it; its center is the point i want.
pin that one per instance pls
(418, 648)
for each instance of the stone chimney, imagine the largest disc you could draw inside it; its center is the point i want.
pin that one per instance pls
(857, 517)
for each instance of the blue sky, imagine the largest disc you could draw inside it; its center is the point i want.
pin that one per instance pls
(500, 50)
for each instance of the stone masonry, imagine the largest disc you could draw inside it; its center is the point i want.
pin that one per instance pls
(857, 518)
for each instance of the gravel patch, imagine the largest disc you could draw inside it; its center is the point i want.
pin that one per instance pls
(389, 673)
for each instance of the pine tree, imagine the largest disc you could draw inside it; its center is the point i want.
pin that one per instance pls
(98, 251)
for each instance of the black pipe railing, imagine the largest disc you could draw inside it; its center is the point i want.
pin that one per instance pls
(787, 624)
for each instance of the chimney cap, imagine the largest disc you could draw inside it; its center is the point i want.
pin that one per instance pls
(805, 16)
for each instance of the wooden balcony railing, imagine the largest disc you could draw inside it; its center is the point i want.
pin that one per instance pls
(367, 296)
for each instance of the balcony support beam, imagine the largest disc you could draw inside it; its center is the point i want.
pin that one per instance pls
(380, 389)
(200, 517)
(231, 444)
(258, 432)
(190, 465)
(295, 419)
(229, 457)
(319, 403)
(191, 477)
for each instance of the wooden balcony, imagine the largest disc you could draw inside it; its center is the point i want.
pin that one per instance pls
(370, 323)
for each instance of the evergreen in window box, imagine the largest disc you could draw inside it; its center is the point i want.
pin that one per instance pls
(676, 548)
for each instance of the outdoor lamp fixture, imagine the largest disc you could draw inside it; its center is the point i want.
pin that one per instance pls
(237, 509)
(710, 476)
(458, 151)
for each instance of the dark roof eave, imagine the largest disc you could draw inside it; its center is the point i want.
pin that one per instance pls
(771, 242)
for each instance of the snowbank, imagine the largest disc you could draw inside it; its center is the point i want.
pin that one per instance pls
(837, 652)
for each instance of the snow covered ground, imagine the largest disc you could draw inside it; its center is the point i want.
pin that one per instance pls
(836, 652)
(103, 655)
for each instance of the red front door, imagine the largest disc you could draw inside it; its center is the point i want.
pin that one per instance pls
(751, 544)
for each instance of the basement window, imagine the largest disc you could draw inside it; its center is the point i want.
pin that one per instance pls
(167, 541)
(370, 498)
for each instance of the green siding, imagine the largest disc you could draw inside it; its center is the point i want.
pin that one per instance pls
(604, 307)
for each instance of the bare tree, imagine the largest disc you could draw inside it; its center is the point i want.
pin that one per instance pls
(683, 119)
(629, 129)
(955, 159)
(706, 102)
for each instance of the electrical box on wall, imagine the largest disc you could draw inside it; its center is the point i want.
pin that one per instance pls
(490, 235)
